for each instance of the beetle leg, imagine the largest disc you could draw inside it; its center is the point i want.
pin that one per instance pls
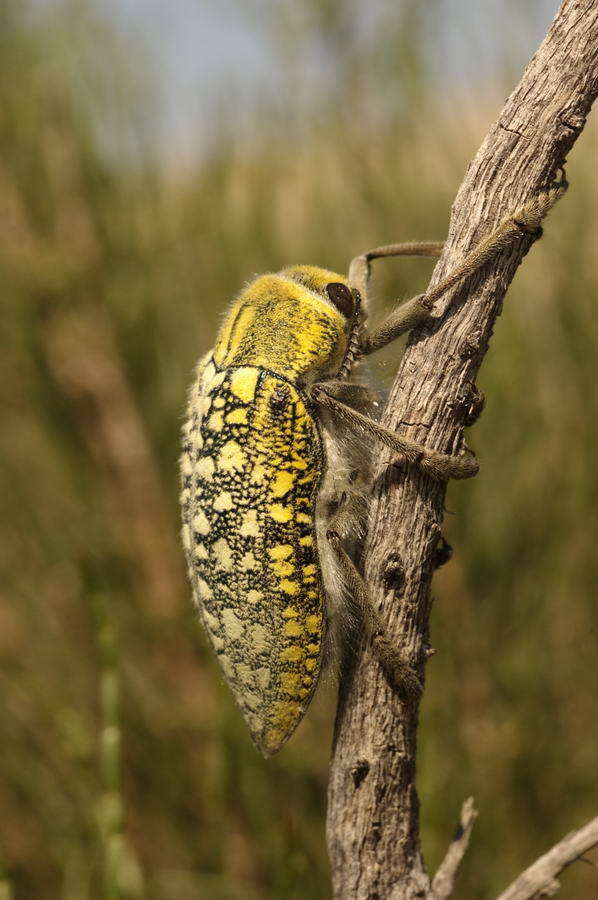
(439, 465)
(524, 222)
(401, 320)
(404, 317)
(360, 267)
(356, 395)
(398, 670)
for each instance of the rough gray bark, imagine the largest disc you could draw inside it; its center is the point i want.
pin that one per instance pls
(373, 817)
(540, 879)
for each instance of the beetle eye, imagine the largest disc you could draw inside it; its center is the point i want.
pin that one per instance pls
(342, 297)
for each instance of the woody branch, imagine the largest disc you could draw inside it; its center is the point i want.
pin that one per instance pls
(373, 818)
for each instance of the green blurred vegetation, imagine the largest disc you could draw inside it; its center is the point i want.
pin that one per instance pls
(125, 770)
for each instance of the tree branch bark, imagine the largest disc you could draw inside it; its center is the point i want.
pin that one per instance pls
(373, 818)
(539, 880)
(443, 883)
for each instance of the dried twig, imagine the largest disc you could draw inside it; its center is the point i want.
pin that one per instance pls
(444, 880)
(540, 879)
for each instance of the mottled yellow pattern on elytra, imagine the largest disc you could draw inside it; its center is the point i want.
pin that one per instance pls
(263, 675)
(282, 567)
(248, 561)
(200, 523)
(236, 417)
(258, 474)
(232, 624)
(232, 457)
(205, 468)
(215, 382)
(249, 525)
(217, 641)
(289, 587)
(223, 553)
(252, 465)
(313, 623)
(245, 673)
(203, 405)
(223, 501)
(251, 699)
(281, 551)
(243, 383)
(290, 682)
(216, 421)
(285, 715)
(296, 654)
(282, 484)
(281, 513)
(284, 710)
(259, 638)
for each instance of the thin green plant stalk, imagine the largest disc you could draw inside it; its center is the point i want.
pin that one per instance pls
(121, 875)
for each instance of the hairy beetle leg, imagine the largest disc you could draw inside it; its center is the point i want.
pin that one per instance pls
(439, 465)
(525, 221)
(400, 674)
(404, 317)
(359, 269)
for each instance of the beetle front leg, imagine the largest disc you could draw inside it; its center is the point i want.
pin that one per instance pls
(524, 222)
(360, 267)
(407, 315)
(401, 320)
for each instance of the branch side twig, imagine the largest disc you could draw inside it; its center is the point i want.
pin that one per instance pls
(444, 880)
(541, 877)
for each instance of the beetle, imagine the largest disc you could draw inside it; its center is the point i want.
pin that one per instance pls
(276, 470)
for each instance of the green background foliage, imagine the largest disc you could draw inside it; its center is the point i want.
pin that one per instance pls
(125, 770)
